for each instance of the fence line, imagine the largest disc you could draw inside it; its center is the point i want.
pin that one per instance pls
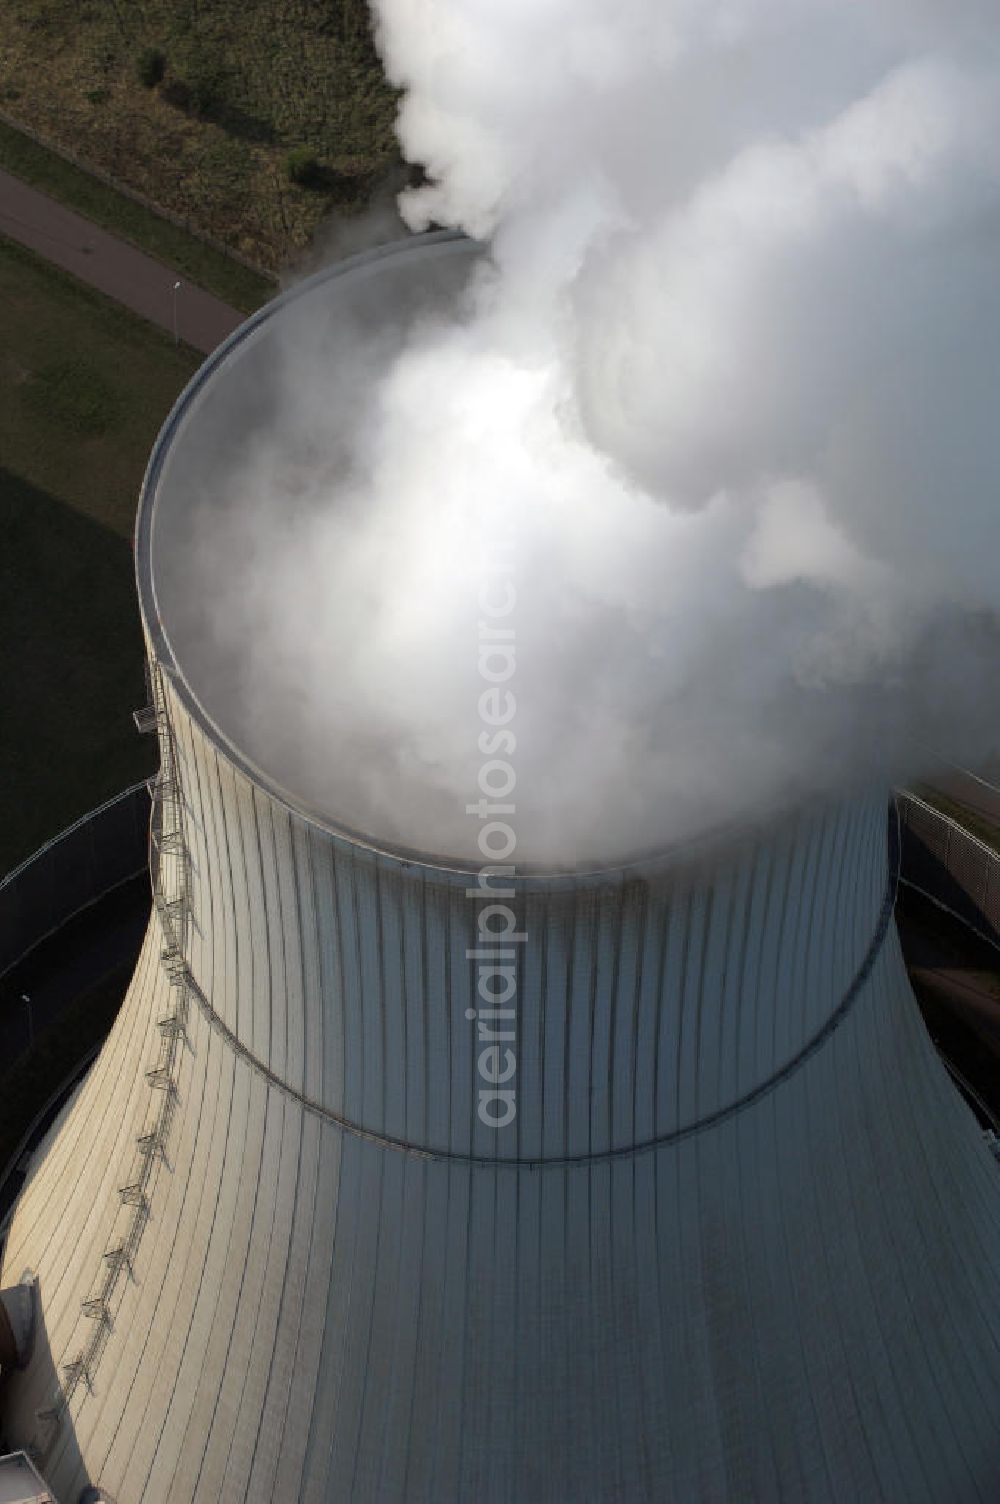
(76, 868)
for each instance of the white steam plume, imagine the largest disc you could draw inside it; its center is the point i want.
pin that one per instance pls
(730, 384)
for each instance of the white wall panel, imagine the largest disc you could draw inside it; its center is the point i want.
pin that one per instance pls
(742, 1241)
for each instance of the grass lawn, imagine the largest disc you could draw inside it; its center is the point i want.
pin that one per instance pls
(244, 83)
(84, 388)
(194, 258)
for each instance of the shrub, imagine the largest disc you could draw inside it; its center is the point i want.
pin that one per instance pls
(302, 167)
(206, 81)
(150, 66)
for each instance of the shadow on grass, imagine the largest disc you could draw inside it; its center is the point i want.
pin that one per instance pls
(207, 96)
(71, 667)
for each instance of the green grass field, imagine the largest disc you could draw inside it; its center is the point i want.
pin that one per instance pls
(84, 388)
(244, 83)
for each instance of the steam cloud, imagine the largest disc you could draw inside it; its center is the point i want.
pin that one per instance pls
(728, 383)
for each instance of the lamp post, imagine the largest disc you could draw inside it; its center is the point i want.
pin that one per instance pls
(26, 1000)
(176, 290)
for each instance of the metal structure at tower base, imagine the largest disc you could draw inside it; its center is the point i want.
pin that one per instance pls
(740, 1241)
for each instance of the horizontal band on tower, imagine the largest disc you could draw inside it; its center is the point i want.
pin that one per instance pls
(644, 1146)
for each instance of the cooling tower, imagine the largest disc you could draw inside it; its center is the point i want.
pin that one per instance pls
(734, 1237)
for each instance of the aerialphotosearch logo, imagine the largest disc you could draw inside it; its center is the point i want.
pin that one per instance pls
(498, 937)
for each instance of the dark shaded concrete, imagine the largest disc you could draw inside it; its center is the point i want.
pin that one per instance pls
(101, 939)
(956, 979)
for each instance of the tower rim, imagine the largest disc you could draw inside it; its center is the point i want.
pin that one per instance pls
(164, 653)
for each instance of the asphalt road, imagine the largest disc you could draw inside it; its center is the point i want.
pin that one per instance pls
(112, 266)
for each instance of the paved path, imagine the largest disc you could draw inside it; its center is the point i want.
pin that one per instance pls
(112, 265)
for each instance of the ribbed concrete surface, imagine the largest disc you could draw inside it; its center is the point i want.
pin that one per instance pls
(795, 1300)
(647, 1000)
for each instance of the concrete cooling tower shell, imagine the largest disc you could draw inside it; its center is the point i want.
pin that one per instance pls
(740, 1241)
